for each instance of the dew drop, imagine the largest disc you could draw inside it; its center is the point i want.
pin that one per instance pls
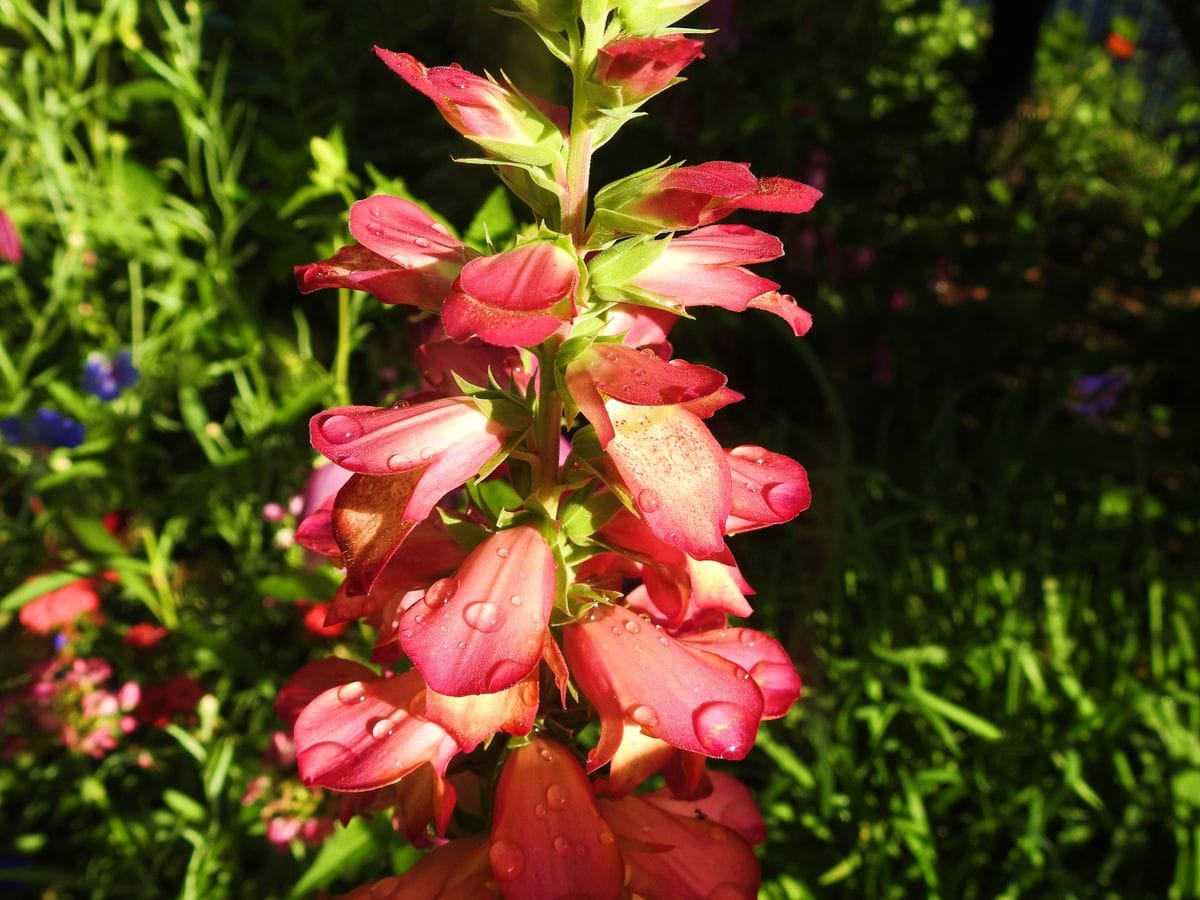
(421, 242)
(639, 373)
(521, 576)
(643, 715)
(508, 860)
(419, 619)
(723, 729)
(546, 755)
(482, 616)
(632, 626)
(648, 500)
(662, 639)
(426, 453)
(352, 693)
(375, 212)
(382, 728)
(540, 810)
(440, 592)
(556, 798)
(435, 376)
(398, 462)
(502, 552)
(607, 838)
(341, 429)
(561, 845)
(375, 228)
(515, 600)
(616, 629)
(440, 228)
(747, 637)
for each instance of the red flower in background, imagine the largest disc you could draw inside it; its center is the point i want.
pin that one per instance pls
(1119, 46)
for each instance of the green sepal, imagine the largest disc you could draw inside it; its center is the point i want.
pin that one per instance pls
(551, 15)
(644, 17)
(584, 516)
(583, 596)
(622, 262)
(494, 497)
(466, 533)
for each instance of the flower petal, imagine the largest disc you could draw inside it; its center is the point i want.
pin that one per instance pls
(474, 718)
(730, 804)
(367, 524)
(676, 472)
(768, 488)
(762, 656)
(482, 630)
(548, 838)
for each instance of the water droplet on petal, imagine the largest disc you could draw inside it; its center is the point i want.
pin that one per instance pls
(352, 693)
(419, 619)
(521, 576)
(648, 500)
(341, 429)
(540, 810)
(515, 600)
(421, 242)
(375, 228)
(556, 797)
(508, 860)
(426, 453)
(546, 755)
(435, 376)
(375, 212)
(643, 715)
(616, 629)
(747, 637)
(398, 462)
(724, 729)
(440, 592)
(561, 845)
(632, 626)
(663, 640)
(401, 260)
(502, 552)
(383, 728)
(440, 228)
(607, 838)
(482, 616)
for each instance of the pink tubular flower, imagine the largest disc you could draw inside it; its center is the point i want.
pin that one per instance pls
(403, 255)
(638, 67)
(61, 608)
(768, 488)
(690, 196)
(702, 268)
(548, 837)
(700, 859)
(516, 298)
(502, 121)
(760, 655)
(10, 240)
(407, 458)
(633, 673)
(366, 733)
(483, 630)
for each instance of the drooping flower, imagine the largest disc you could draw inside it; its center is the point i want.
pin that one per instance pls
(501, 120)
(403, 255)
(548, 836)
(517, 298)
(106, 378)
(670, 199)
(635, 68)
(483, 630)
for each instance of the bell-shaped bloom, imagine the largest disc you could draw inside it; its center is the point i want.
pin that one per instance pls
(728, 803)
(632, 672)
(365, 733)
(635, 68)
(638, 378)
(517, 298)
(672, 199)
(458, 870)
(315, 530)
(548, 837)
(421, 451)
(705, 267)
(501, 120)
(483, 629)
(403, 255)
(674, 856)
(676, 587)
(760, 655)
(676, 473)
(440, 359)
(10, 240)
(768, 488)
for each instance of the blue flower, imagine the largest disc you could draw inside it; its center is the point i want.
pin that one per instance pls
(47, 428)
(106, 379)
(1094, 396)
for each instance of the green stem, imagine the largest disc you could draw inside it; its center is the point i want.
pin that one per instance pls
(547, 429)
(341, 363)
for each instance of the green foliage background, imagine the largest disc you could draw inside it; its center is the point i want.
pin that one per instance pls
(993, 600)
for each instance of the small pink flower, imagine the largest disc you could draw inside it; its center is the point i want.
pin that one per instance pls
(639, 67)
(517, 298)
(10, 240)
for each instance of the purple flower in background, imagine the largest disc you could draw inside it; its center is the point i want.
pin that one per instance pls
(1093, 396)
(47, 428)
(106, 379)
(10, 241)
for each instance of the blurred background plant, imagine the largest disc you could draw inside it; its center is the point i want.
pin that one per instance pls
(992, 600)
